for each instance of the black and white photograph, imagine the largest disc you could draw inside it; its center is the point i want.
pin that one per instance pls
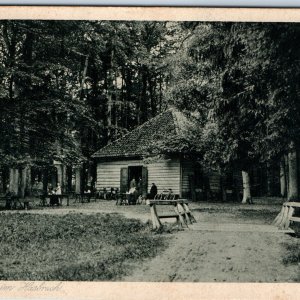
(149, 151)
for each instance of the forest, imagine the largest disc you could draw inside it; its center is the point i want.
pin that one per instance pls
(69, 88)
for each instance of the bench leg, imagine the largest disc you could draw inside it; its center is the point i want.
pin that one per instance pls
(290, 213)
(284, 218)
(155, 220)
(192, 218)
(278, 219)
(181, 220)
(182, 211)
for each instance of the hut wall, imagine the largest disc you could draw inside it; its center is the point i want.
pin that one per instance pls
(165, 174)
(187, 174)
(108, 172)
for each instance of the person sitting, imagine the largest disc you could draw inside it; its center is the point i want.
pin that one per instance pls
(132, 196)
(54, 198)
(58, 190)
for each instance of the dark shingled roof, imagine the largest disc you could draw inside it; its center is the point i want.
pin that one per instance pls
(133, 144)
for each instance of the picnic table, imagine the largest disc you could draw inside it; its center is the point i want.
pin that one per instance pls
(122, 198)
(85, 197)
(53, 198)
(14, 202)
(182, 213)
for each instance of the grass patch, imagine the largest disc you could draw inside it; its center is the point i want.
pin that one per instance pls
(292, 255)
(292, 251)
(263, 215)
(73, 246)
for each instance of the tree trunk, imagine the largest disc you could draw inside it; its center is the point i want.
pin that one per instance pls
(54, 178)
(293, 176)
(78, 180)
(246, 188)
(282, 178)
(45, 180)
(14, 181)
(223, 187)
(69, 173)
(269, 180)
(61, 176)
(25, 186)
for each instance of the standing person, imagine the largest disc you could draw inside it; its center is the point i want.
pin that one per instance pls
(153, 191)
(132, 183)
(139, 186)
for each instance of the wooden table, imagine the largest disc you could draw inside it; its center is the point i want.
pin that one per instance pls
(60, 198)
(83, 197)
(14, 202)
(122, 199)
(182, 212)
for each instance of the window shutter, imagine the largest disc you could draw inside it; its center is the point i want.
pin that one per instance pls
(144, 181)
(124, 180)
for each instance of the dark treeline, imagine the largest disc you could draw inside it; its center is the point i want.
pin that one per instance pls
(68, 88)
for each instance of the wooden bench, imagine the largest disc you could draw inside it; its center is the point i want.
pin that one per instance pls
(286, 215)
(182, 213)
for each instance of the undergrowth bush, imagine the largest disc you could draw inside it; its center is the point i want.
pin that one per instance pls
(73, 246)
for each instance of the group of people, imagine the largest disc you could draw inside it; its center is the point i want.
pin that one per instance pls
(54, 191)
(54, 194)
(135, 191)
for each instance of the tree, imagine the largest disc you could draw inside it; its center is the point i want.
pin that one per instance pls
(231, 75)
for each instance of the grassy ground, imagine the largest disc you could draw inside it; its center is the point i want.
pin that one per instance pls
(72, 246)
(76, 242)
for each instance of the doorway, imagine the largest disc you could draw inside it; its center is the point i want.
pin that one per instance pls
(139, 173)
(135, 172)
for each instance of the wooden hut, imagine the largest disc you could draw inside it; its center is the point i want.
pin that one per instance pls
(124, 159)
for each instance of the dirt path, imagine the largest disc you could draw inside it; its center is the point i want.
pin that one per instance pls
(208, 256)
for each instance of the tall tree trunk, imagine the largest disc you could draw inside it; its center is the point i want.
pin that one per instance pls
(85, 67)
(69, 173)
(223, 186)
(78, 180)
(60, 175)
(109, 107)
(246, 187)
(14, 181)
(25, 185)
(283, 178)
(293, 176)
(45, 179)
(269, 179)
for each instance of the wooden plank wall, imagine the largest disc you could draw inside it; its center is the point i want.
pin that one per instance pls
(108, 173)
(187, 171)
(165, 174)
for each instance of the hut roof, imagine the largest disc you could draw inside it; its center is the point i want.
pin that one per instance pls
(133, 144)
